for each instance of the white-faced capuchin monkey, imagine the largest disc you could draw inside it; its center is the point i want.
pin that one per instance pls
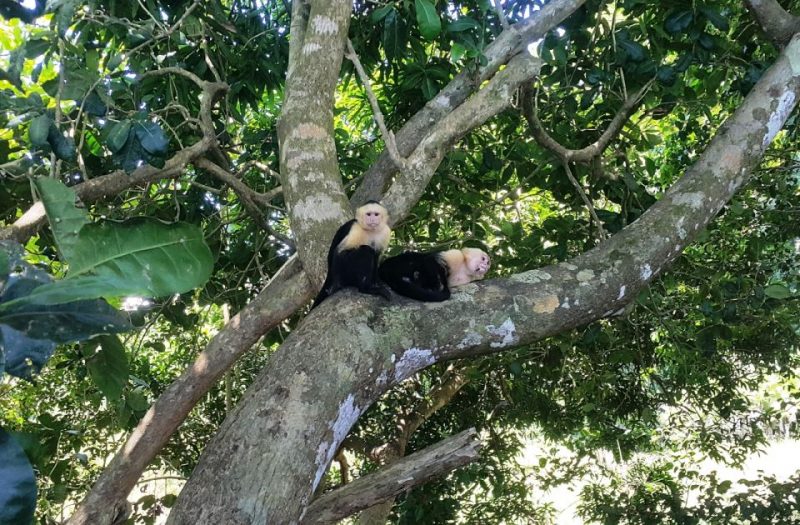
(354, 252)
(429, 276)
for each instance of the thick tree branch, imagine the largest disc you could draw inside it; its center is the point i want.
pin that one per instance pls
(777, 24)
(387, 483)
(310, 177)
(509, 43)
(270, 454)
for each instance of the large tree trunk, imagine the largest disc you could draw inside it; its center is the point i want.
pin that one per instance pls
(272, 451)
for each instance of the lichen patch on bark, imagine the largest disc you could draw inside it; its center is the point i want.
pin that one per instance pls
(546, 304)
(506, 333)
(411, 361)
(531, 277)
(314, 208)
(781, 113)
(348, 414)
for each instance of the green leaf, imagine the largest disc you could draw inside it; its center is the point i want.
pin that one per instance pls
(777, 291)
(429, 88)
(63, 147)
(428, 19)
(152, 138)
(38, 130)
(159, 259)
(24, 356)
(678, 21)
(17, 483)
(5, 264)
(108, 367)
(394, 35)
(635, 51)
(118, 135)
(463, 24)
(380, 13)
(713, 15)
(666, 75)
(66, 219)
(94, 105)
(63, 323)
(457, 52)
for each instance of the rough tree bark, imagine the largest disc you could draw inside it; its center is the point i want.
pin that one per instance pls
(271, 452)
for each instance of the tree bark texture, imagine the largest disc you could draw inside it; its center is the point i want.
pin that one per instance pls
(391, 481)
(272, 451)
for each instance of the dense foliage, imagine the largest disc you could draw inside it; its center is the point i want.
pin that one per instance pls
(703, 364)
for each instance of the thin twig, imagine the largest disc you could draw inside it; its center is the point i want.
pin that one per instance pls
(388, 136)
(601, 233)
(500, 14)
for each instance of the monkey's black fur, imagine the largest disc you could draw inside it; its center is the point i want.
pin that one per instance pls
(420, 276)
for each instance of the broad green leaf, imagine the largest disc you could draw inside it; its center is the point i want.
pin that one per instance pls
(94, 105)
(17, 483)
(152, 138)
(63, 147)
(77, 289)
(380, 13)
(463, 24)
(108, 367)
(428, 19)
(38, 130)
(457, 52)
(66, 219)
(635, 51)
(666, 75)
(5, 264)
(118, 135)
(24, 357)
(63, 323)
(777, 291)
(394, 36)
(713, 15)
(678, 21)
(157, 259)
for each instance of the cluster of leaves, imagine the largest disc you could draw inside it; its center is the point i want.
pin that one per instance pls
(36, 313)
(652, 493)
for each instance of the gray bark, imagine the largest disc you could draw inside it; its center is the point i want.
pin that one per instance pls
(272, 451)
(406, 473)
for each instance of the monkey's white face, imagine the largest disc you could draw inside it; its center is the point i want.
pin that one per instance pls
(477, 262)
(372, 216)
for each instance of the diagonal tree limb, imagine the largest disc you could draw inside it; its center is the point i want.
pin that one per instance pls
(778, 25)
(388, 136)
(391, 481)
(509, 43)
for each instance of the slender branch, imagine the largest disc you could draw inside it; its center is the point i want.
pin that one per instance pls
(500, 14)
(601, 233)
(249, 198)
(411, 471)
(388, 136)
(583, 155)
